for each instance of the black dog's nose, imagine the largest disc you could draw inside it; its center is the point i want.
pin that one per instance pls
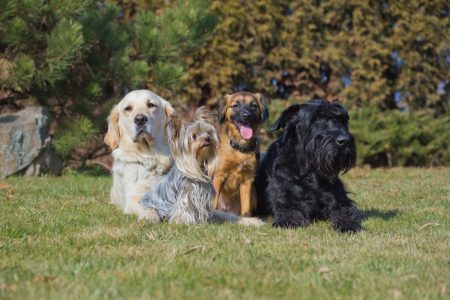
(245, 115)
(140, 120)
(343, 140)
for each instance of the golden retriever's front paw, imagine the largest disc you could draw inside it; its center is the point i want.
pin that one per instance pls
(251, 222)
(149, 215)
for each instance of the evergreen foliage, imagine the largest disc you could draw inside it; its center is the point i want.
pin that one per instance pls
(401, 139)
(364, 53)
(78, 57)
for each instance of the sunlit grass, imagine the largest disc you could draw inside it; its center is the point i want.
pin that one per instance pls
(60, 239)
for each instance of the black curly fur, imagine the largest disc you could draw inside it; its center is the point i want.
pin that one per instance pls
(297, 181)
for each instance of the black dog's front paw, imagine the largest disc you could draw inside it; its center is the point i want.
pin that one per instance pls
(348, 227)
(346, 219)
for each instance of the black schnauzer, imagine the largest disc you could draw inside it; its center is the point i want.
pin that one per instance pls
(297, 181)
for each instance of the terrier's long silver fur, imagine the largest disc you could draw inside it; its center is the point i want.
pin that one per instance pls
(185, 194)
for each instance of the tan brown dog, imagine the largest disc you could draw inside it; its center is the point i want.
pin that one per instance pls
(240, 116)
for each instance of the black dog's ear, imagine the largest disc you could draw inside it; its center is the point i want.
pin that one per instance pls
(287, 115)
(262, 107)
(222, 109)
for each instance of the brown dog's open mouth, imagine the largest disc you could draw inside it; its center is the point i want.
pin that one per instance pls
(245, 130)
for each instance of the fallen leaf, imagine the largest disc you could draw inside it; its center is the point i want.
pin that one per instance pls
(4, 186)
(8, 287)
(324, 270)
(429, 224)
(121, 275)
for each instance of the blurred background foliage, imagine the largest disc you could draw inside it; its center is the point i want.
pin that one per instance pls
(387, 61)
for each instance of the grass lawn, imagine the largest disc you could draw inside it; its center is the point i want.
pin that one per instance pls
(60, 239)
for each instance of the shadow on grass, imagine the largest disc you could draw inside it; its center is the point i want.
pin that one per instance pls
(380, 214)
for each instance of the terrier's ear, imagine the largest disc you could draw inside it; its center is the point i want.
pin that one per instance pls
(287, 115)
(223, 109)
(202, 113)
(173, 127)
(262, 107)
(112, 136)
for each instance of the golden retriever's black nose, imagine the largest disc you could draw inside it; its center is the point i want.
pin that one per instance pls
(140, 120)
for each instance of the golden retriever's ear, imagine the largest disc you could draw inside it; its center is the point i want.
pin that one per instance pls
(223, 108)
(169, 111)
(262, 107)
(112, 137)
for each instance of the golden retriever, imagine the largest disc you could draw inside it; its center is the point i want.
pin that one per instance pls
(137, 135)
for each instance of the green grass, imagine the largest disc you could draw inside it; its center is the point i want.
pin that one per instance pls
(60, 239)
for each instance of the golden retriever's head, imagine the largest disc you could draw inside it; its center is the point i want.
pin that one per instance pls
(139, 118)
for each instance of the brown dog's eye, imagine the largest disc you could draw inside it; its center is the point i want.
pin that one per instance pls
(254, 105)
(150, 105)
(235, 105)
(129, 108)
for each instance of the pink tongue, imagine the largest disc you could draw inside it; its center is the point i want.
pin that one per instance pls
(246, 132)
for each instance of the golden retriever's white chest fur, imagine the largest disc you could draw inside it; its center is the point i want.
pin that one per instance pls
(134, 175)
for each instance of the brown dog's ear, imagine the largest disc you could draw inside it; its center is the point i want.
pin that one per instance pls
(262, 107)
(112, 137)
(223, 108)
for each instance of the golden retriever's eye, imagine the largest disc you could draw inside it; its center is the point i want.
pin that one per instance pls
(129, 108)
(150, 105)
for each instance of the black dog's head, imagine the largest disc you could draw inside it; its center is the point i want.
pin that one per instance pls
(320, 130)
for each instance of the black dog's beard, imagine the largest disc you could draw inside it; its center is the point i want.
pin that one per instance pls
(328, 159)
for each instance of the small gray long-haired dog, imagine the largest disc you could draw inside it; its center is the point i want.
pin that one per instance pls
(185, 194)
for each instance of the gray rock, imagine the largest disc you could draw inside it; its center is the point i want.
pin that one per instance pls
(25, 143)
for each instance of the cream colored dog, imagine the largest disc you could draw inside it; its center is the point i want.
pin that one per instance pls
(137, 135)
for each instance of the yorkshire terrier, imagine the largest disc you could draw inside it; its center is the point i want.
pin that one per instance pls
(185, 194)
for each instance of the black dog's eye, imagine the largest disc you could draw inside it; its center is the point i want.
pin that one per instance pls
(150, 105)
(129, 108)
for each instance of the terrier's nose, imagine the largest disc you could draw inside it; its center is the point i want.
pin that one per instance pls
(140, 120)
(342, 140)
